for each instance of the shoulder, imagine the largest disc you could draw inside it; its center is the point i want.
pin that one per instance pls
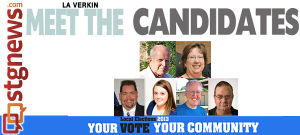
(139, 110)
(138, 106)
(234, 111)
(150, 108)
(202, 111)
(168, 76)
(181, 107)
(200, 108)
(146, 73)
(143, 73)
(152, 103)
(172, 112)
(118, 107)
(212, 111)
(118, 111)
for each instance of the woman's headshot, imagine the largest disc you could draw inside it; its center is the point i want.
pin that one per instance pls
(193, 61)
(163, 99)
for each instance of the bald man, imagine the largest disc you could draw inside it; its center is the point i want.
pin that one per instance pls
(159, 63)
(193, 94)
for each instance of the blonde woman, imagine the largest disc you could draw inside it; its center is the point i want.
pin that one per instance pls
(163, 103)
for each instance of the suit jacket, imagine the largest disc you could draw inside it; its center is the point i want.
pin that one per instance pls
(213, 111)
(139, 110)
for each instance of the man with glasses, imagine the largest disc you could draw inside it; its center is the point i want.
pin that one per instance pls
(223, 95)
(193, 93)
(159, 63)
(128, 96)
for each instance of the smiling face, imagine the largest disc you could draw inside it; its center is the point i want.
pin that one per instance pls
(128, 97)
(160, 61)
(223, 98)
(193, 94)
(160, 96)
(195, 62)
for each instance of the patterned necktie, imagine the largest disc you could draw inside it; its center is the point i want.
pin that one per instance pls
(128, 114)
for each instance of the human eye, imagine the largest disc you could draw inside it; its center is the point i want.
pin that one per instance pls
(155, 93)
(124, 93)
(162, 93)
(132, 93)
(200, 57)
(160, 60)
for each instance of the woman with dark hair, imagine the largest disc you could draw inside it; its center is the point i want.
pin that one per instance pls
(193, 61)
(163, 103)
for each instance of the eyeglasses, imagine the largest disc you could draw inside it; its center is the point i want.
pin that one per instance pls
(220, 97)
(193, 92)
(194, 58)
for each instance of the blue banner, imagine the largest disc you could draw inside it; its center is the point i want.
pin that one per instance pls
(62, 125)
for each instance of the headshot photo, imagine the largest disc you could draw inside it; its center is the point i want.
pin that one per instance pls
(129, 97)
(160, 96)
(157, 59)
(193, 59)
(191, 97)
(223, 96)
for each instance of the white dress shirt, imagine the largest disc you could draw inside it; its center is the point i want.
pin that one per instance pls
(131, 112)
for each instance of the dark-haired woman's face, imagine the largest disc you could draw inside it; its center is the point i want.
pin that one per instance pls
(195, 61)
(160, 95)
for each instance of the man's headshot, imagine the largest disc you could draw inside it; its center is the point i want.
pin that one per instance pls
(223, 98)
(193, 94)
(128, 96)
(159, 63)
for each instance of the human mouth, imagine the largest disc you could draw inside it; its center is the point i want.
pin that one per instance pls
(196, 66)
(158, 101)
(224, 105)
(194, 99)
(128, 101)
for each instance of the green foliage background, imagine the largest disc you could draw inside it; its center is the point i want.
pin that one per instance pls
(170, 45)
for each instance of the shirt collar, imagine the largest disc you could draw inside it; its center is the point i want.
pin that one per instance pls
(131, 112)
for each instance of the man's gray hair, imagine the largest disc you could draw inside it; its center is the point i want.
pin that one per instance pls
(153, 50)
(187, 84)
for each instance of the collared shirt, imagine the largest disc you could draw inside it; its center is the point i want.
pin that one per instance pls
(131, 112)
(147, 73)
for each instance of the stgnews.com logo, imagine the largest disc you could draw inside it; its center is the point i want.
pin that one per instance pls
(7, 118)
(16, 73)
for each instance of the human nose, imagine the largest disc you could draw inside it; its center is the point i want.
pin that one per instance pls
(223, 99)
(163, 63)
(158, 96)
(194, 94)
(129, 96)
(197, 59)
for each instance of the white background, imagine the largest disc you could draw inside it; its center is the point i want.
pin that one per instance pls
(74, 75)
